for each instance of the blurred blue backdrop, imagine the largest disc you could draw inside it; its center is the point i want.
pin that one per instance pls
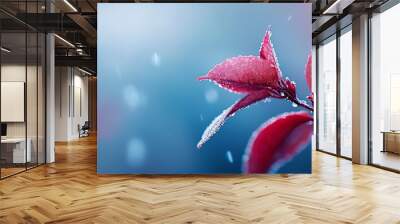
(151, 109)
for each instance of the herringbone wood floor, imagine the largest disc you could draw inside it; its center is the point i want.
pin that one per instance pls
(70, 191)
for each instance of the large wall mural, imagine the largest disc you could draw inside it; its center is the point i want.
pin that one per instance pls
(204, 88)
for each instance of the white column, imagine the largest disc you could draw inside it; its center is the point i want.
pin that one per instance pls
(360, 90)
(50, 99)
(50, 92)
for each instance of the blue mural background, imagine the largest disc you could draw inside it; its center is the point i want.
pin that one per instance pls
(151, 109)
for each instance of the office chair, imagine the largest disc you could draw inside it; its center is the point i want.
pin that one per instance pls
(84, 130)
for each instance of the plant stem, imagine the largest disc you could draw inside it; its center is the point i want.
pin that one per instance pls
(293, 98)
(300, 103)
(291, 94)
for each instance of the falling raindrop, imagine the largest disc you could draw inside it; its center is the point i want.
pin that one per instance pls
(155, 59)
(132, 97)
(201, 117)
(211, 96)
(229, 156)
(289, 18)
(136, 152)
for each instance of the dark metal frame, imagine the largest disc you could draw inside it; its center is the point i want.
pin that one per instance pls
(316, 105)
(369, 104)
(338, 98)
(0, 89)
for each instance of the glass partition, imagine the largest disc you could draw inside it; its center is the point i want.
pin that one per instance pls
(22, 100)
(14, 155)
(327, 96)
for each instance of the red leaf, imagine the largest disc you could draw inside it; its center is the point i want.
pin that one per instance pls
(267, 51)
(244, 74)
(308, 72)
(230, 111)
(277, 141)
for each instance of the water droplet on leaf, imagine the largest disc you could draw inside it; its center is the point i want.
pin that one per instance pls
(267, 100)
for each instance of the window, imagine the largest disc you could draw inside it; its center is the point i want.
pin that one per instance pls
(345, 93)
(385, 89)
(327, 96)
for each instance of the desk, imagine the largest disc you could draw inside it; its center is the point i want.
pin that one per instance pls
(17, 150)
(391, 141)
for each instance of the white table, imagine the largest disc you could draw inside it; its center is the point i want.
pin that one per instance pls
(19, 155)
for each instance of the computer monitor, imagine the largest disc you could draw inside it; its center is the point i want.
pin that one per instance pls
(3, 129)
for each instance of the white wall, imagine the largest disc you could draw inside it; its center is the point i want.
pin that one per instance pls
(80, 112)
(62, 81)
(9, 73)
(17, 73)
(71, 93)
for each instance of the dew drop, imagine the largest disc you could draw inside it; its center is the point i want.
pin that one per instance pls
(294, 105)
(282, 94)
(267, 100)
